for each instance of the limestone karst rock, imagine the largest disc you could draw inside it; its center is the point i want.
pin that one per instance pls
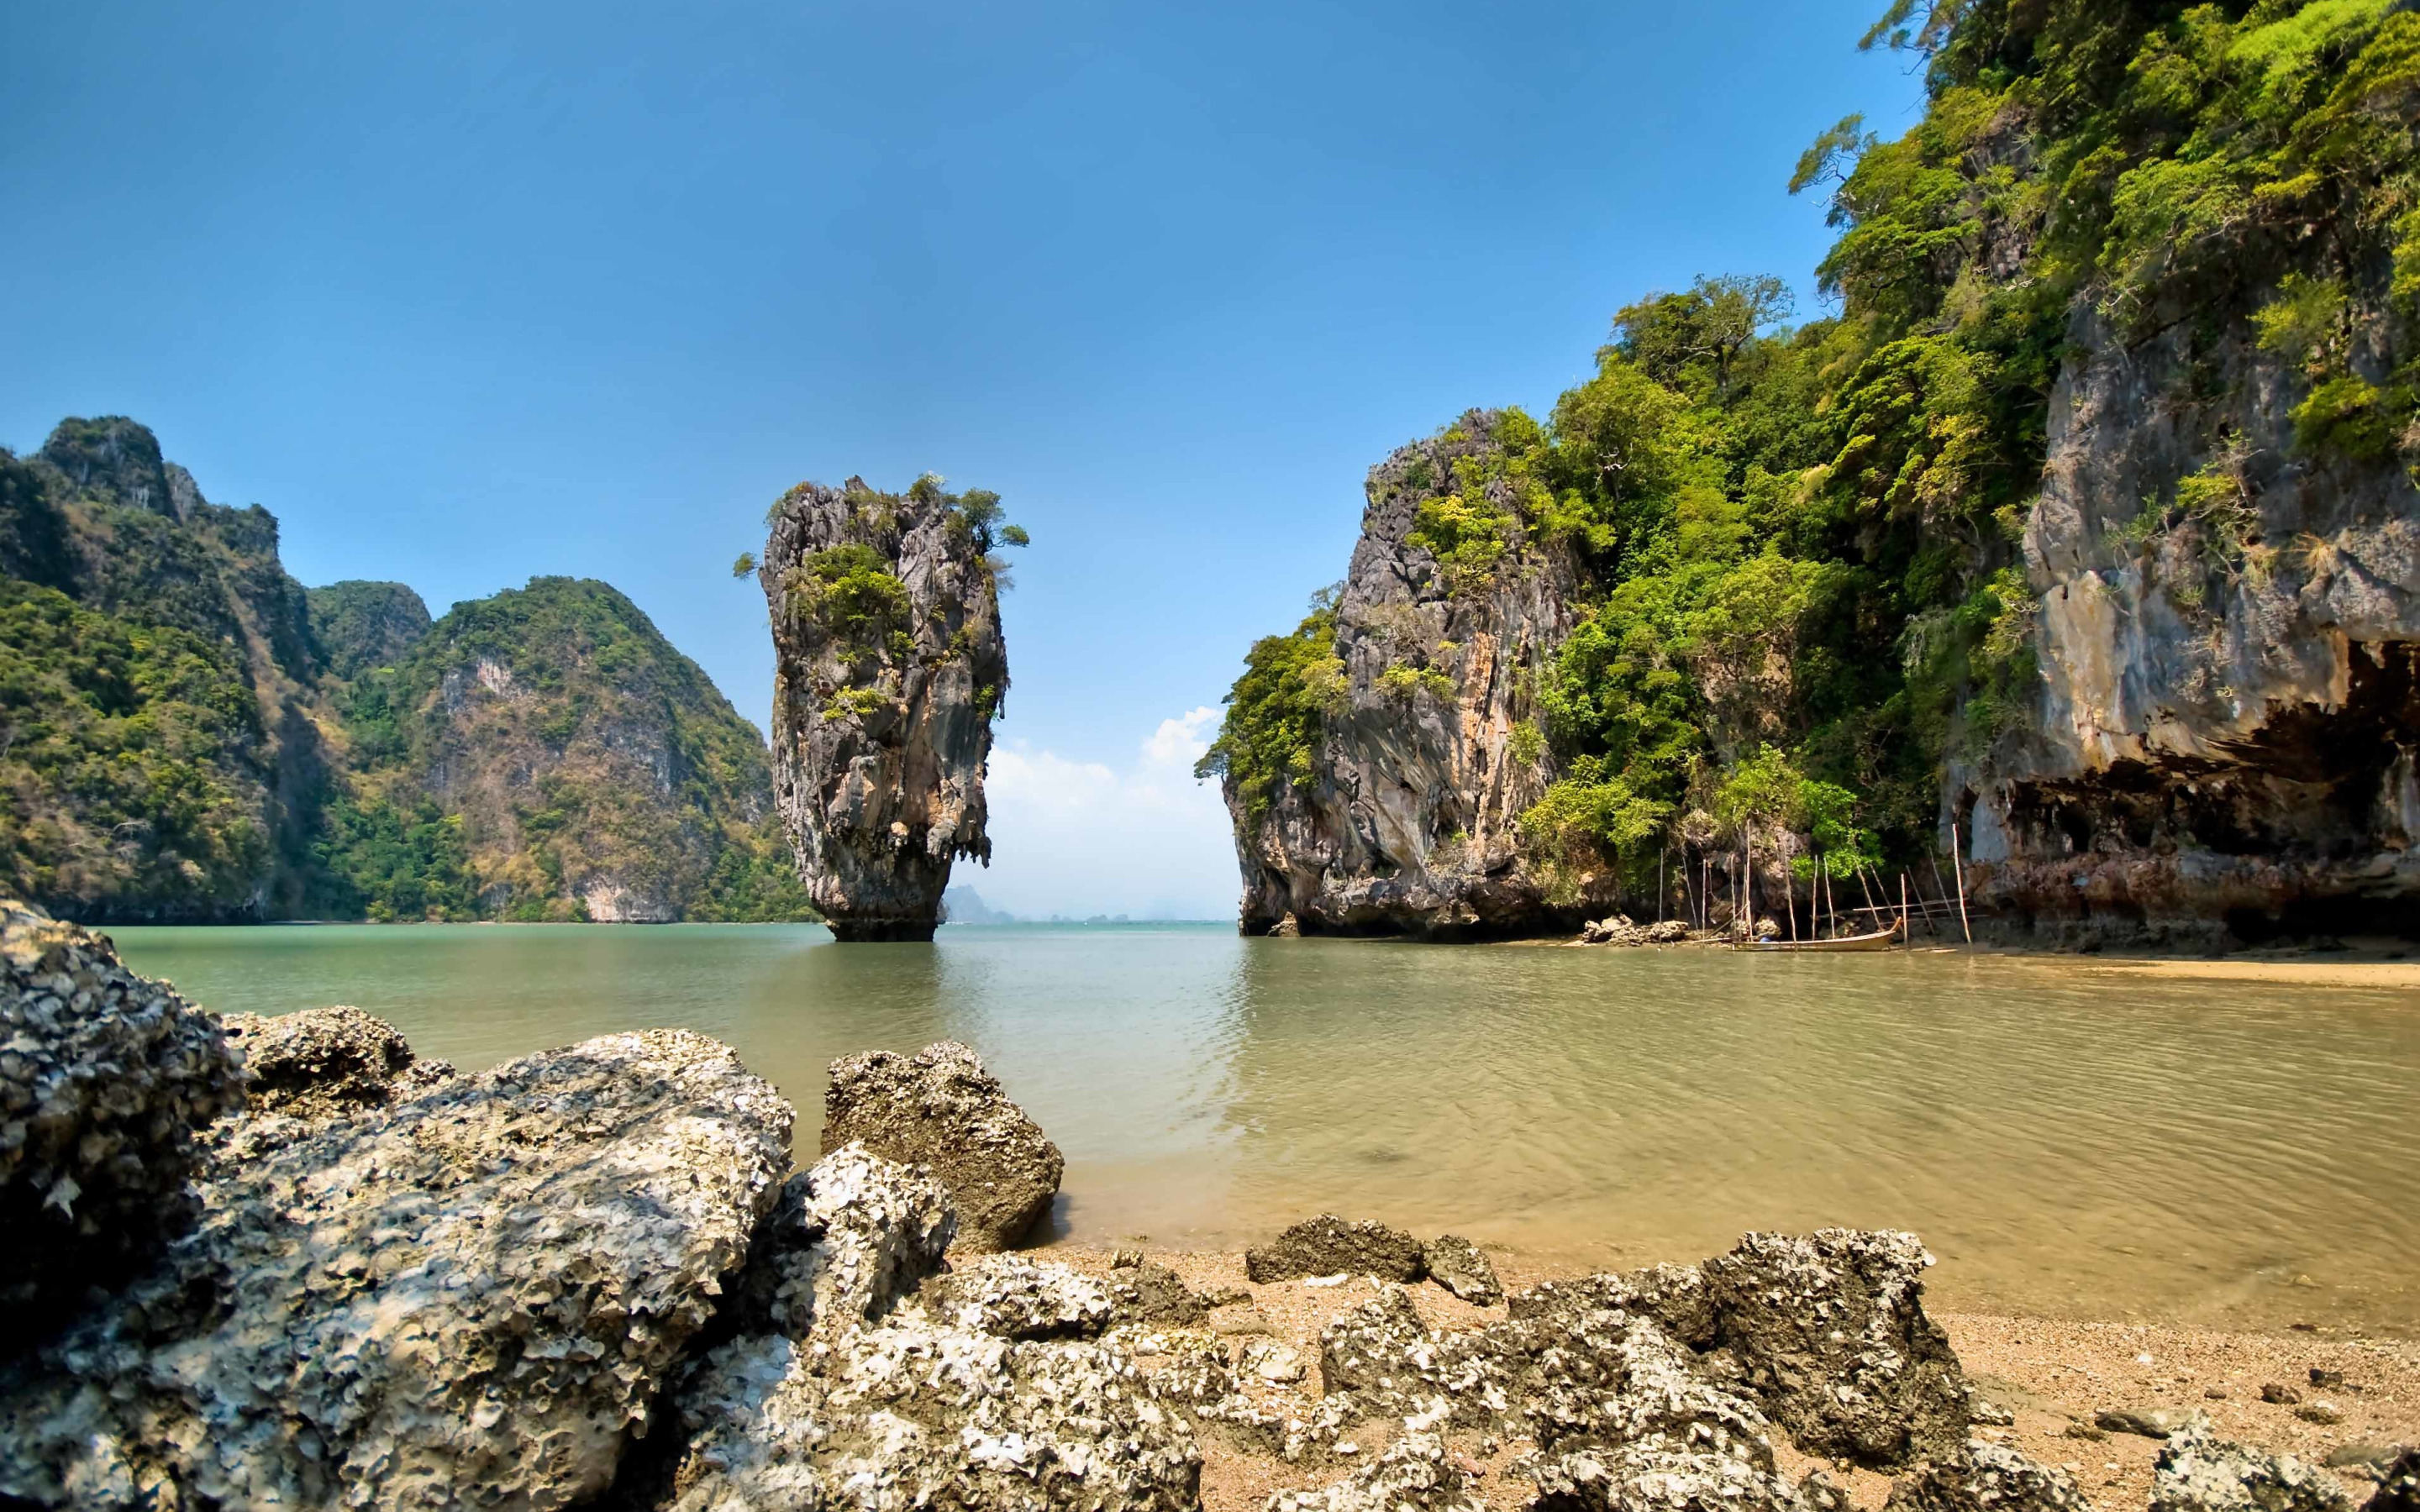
(105, 1079)
(322, 1063)
(889, 668)
(1329, 1245)
(940, 1108)
(487, 1285)
(1407, 817)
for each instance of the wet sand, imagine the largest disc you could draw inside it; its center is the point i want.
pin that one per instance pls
(2052, 1375)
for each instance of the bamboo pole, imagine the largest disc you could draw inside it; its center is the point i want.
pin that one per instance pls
(1958, 865)
(1747, 876)
(1902, 906)
(1788, 900)
(1661, 856)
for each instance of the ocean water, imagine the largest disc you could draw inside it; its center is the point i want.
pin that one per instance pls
(2065, 1137)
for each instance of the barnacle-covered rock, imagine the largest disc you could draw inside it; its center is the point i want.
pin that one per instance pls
(1329, 1245)
(487, 1286)
(940, 1108)
(323, 1063)
(105, 1079)
(2199, 1471)
(1831, 1336)
(846, 1242)
(1987, 1477)
(1416, 1473)
(1016, 1298)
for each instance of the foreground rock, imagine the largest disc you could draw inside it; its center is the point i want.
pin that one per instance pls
(1457, 1264)
(940, 1108)
(981, 1392)
(1987, 1477)
(1329, 1245)
(105, 1079)
(2199, 1471)
(1831, 1331)
(327, 1063)
(486, 1286)
(889, 668)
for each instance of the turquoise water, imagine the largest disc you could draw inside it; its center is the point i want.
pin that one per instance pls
(2066, 1138)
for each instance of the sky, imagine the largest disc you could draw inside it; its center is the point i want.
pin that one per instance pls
(470, 293)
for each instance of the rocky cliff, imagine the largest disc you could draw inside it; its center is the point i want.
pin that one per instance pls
(2223, 743)
(2085, 535)
(889, 670)
(187, 735)
(1403, 813)
(582, 768)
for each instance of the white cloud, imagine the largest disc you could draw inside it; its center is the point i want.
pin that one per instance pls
(1082, 838)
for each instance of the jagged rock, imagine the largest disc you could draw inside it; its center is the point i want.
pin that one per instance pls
(323, 1063)
(1831, 1336)
(105, 1079)
(1417, 1473)
(1016, 1298)
(2399, 1486)
(2199, 1471)
(1636, 1426)
(1457, 1264)
(1674, 1296)
(889, 667)
(940, 1108)
(1668, 931)
(1155, 1294)
(1987, 1477)
(908, 1414)
(1328, 1246)
(844, 1243)
(1410, 816)
(933, 1407)
(486, 1287)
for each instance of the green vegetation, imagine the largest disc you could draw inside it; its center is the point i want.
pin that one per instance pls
(1291, 684)
(851, 592)
(132, 760)
(1804, 591)
(185, 734)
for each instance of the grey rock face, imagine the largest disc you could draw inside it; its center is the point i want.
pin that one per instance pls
(1410, 821)
(883, 698)
(1457, 1264)
(1328, 1246)
(324, 1063)
(105, 1079)
(2225, 713)
(1988, 1477)
(485, 1286)
(2199, 1471)
(1831, 1336)
(940, 1108)
(896, 1407)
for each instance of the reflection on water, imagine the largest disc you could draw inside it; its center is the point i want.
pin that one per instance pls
(2064, 1139)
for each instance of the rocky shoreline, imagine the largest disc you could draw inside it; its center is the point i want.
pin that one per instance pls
(591, 1277)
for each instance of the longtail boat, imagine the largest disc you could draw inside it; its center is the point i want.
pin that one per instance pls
(1878, 940)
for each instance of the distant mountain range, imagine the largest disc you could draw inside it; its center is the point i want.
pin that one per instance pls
(189, 735)
(964, 905)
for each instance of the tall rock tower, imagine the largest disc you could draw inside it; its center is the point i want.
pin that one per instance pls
(889, 668)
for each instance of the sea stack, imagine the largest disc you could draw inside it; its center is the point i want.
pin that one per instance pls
(889, 670)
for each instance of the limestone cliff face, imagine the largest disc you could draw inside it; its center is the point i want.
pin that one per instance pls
(1407, 821)
(2224, 737)
(889, 668)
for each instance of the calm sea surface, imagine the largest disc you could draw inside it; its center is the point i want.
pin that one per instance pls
(2066, 1139)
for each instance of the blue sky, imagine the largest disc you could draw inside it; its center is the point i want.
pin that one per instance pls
(469, 293)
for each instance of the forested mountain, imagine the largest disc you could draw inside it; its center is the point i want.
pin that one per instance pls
(2086, 525)
(187, 734)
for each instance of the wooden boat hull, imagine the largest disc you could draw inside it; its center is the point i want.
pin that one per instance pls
(1881, 940)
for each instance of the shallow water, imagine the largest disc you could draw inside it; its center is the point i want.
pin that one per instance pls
(2066, 1139)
